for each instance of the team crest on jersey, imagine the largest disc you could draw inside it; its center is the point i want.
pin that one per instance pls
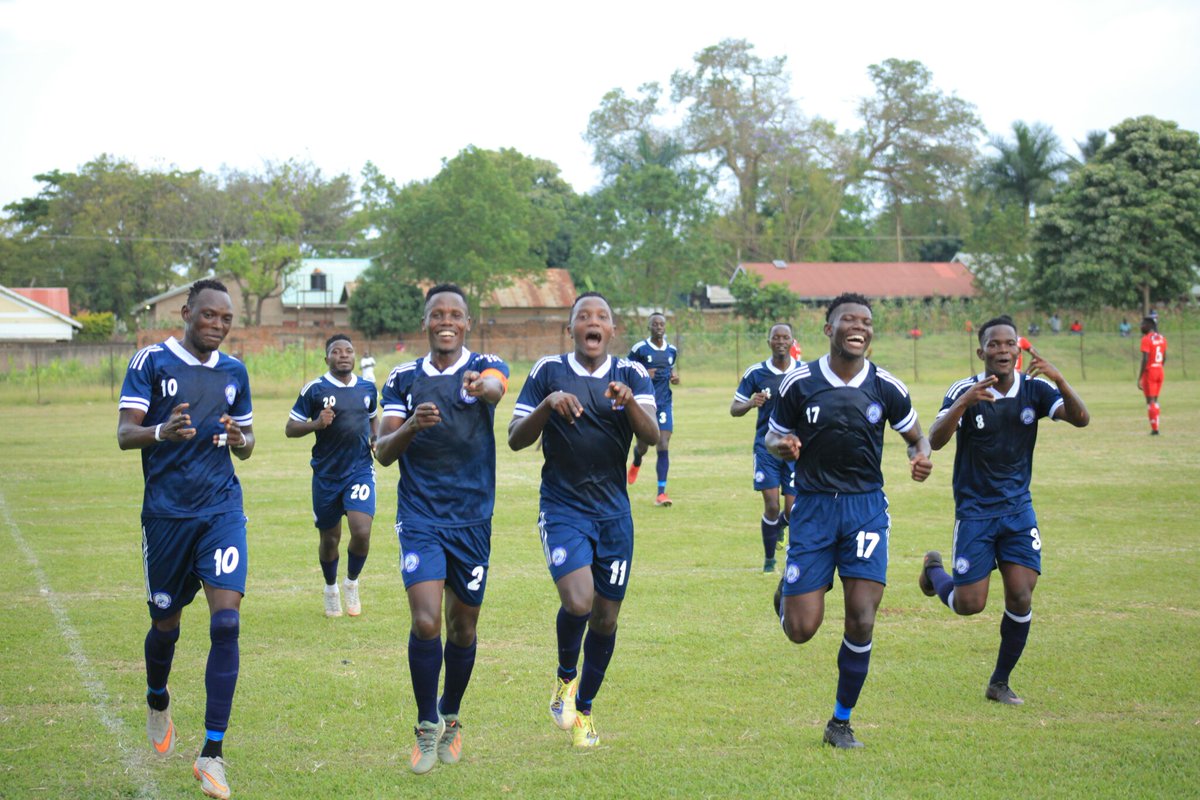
(961, 565)
(558, 555)
(793, 573)
(230, 393)
(874, 413)
(1027, 415)
(411, 562)
(161, 600)
(758, 476)
(366, 402)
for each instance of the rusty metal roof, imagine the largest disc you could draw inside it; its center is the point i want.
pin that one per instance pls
(57, 298)
(552, 288)
(902, 279)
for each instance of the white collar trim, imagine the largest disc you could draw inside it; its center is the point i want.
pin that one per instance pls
(176, 347)
(579, 369)
(1012, 390)
(432, 371)
(330, 377)
(770, 364)
(834, 380)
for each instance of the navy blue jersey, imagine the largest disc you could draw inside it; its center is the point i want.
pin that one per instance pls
(448, 472)
(660, 359)
(585, 460)
(762, 377)
(343, 448)
(840, 424)
(194, 477)
(993, 459)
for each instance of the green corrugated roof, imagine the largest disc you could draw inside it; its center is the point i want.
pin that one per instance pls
(337, 271)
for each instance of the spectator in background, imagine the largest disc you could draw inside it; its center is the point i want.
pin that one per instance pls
(1034, 329)
(1077, 328)
(1055, 324)
(1124, 328)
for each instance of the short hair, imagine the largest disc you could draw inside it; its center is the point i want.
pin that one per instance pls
(337, 337)
(584, 296)
(452, 288)
(843, 299)
(202, 284)
(787, 325)
(1003, 319)
(654, 314)
(1151, 319)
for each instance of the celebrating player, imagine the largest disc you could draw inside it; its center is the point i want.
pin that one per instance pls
(438, 414)
(341, 410)
(186, 406)
(830, 419)
(995, 415)
(1150, 377)
(759, 389)
(587, 406)
(658, 358)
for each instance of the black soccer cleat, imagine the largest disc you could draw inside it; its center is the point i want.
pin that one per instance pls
(932, 559)
(839, 734)
(1001, 693)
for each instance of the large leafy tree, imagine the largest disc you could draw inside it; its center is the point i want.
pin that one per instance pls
(384, 305)
(1027, 167)
(1126, 229)
(917, 144)
(760, 304)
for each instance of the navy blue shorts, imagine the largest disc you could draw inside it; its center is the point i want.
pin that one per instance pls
(773, 473)
(666, 419)
(180, 554)
(571, 541)
(331, 499)
(458, 556)
(981, 544)
(846, 531)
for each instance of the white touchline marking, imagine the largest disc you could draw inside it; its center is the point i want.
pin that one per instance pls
(134, 761)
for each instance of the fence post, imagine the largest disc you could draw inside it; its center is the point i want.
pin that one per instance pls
(37, 374)
(112, 375)
(916, 373)
(737, 352)
(1082, 367)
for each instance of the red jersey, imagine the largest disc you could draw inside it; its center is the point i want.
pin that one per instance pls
(796, 351)
(1154, 345)
(1024, 345)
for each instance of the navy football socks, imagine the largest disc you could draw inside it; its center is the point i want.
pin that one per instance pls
(425, 667)
(220, 677)
(854, 659)
(770, 536)
(160, 653)
(1014, 631)
(459, 662)
(570, 640)
(597, 652)
(353, 568)
(329, 570)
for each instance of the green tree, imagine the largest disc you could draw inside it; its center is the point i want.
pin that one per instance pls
(1126, 229)
(761, 304)
(917, 144)
(1091, 145)
(1028, 167)
(97, 327)
(385, 303)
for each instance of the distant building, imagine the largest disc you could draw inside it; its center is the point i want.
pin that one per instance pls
(36, 315)
(545, 295)
(822, 281)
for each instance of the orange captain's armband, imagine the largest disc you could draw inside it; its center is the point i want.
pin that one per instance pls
(498, 375)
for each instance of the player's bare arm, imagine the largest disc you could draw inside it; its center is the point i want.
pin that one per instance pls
(943, 428)
(396, 434)
(294, 428)
(238, 439)
(786, 447)
(524, 431)
(918, 453)
(132, 435)
(1072, 410)
(739, 408)
(489, 385)
(641, 418)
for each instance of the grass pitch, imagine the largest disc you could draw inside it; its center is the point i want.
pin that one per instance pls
(704, 698)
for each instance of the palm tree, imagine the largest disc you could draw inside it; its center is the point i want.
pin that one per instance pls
(1028, 166)
(1092, 144)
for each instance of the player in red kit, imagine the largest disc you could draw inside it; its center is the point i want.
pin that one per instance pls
(1150, 379)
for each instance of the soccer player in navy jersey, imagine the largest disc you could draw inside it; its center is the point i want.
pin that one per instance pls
(994, 416)
(341, 409)
(438, 414)
(759, 388)
(186, 406)
(830, 419)
(658, 357)
(587, 406)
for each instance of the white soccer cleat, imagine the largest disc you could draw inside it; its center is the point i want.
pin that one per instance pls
(211, 774)
(333, 601)
(160, 731)
(350, 590)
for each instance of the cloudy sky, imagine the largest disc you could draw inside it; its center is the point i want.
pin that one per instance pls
(405, 85)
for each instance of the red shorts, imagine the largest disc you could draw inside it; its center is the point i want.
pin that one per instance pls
(1151, 382)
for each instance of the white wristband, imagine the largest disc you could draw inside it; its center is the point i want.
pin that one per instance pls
(157, 432)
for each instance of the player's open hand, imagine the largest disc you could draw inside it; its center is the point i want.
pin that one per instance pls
(232, 437)
(921, 467)
(1040, 366)
(325, 418)
(473, 383)
(620, 394)
(178, 427)
(789, 447)
(566, 405)
(425, 415)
